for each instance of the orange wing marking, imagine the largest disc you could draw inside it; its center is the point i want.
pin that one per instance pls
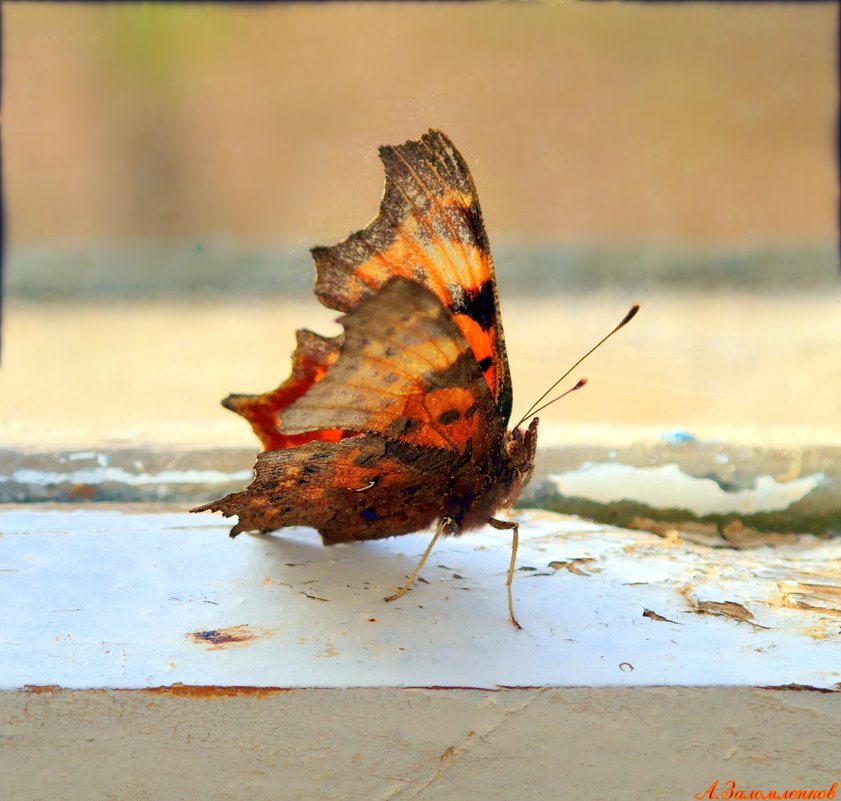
(433, 201)
(461, 204)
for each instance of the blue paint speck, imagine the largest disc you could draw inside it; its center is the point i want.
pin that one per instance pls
(677, 437)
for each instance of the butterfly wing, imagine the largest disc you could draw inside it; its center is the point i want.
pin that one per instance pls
(405, 372)
(429, 229)
(397, 423)
(406, 380)
(312, 357)
(360, 488)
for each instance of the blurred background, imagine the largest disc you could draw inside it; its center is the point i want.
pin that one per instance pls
(167, 168)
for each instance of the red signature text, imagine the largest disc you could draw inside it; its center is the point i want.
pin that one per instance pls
(730, 791)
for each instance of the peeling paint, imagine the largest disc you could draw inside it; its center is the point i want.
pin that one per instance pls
(652, 615)
(667, 487)
(234, 636)
(89, 476)
(813, 597)
(572, 566)
(725, 609)
(170, 565)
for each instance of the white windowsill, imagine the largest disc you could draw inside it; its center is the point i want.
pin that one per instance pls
(331, 693)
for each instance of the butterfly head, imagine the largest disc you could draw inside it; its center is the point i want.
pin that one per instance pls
(518, 447)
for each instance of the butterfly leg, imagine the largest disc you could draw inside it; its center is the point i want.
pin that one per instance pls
(445, 522)
(505, 525)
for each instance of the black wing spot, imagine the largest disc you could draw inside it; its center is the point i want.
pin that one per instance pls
(478, 304)
(369, 515)
(485, 363)
(449, 417)
(476, 224)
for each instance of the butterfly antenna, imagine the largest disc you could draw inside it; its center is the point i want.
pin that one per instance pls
(581, 382)
(536, 407)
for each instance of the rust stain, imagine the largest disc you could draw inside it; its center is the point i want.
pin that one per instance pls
(329, 651)
(177, 689)
(211, 692)
(449, 753)
(231, 637)
(799, 688)
(448, 687)
(84, 492)
(215, 691)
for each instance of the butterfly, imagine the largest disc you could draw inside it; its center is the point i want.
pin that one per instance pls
(400, 423)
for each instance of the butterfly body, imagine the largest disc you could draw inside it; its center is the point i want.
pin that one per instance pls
(400, 422)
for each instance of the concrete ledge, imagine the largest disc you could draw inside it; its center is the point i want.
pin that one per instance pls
(423, 744)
